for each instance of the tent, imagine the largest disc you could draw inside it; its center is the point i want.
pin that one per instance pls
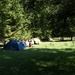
(50, 39)
(37, 41)
(14, 45)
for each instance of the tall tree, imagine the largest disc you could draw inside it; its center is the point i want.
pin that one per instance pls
(13, 23)
(65, 12)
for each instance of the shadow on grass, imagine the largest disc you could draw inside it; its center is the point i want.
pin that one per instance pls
(36, 61)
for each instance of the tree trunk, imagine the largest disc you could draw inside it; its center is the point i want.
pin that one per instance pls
(71, 38)
(62, 38)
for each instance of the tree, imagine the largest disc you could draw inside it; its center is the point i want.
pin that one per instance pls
(64, 23)
(50, 17)
(39, 12)
(13, 23)
(39, 18)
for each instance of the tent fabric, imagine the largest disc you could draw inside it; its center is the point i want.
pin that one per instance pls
(14, 45)
(37, 41)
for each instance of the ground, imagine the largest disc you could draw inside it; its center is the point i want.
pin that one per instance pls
(49, 58)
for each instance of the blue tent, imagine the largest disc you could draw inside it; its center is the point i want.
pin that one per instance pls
(14, 45)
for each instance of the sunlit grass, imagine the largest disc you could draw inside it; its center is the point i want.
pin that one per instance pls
(56, 45)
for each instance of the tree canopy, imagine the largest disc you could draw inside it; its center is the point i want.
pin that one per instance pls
(23, 19)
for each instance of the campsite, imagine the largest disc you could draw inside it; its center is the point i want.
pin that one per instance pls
(37, 37)
(48, 58)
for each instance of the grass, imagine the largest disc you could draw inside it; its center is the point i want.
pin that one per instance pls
(49, 58)
(56, 45)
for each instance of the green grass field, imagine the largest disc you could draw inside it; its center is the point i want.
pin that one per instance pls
(49, 58)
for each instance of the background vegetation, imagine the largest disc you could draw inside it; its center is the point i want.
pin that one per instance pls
(23, 19)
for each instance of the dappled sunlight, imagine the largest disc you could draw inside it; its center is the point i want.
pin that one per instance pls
(45, 64)
(6, 57)
(47, 60)
(71, 57)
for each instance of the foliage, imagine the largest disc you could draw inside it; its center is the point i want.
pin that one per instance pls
(13, 24)
(24, 19)
(64, 18)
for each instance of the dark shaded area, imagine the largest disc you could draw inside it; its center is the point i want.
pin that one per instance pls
(38, 62)
(1, 45)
